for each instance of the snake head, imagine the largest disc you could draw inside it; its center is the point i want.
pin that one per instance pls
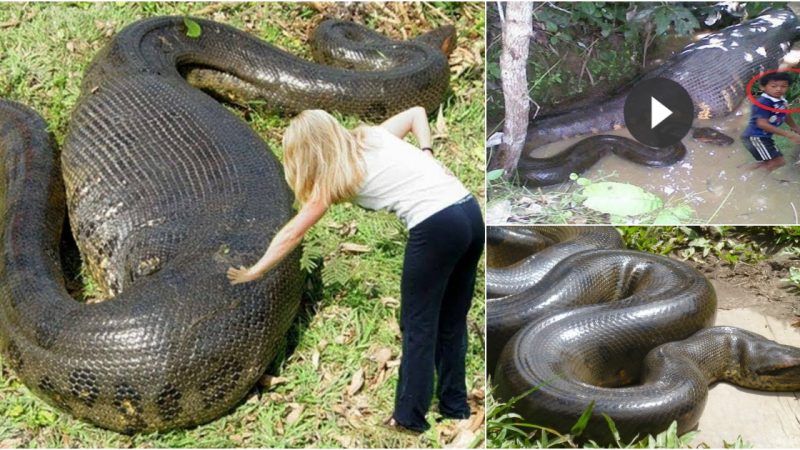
(442, 38)
(776, 366)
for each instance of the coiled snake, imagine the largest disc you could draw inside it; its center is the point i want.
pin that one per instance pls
(166, 189)
(624, 329)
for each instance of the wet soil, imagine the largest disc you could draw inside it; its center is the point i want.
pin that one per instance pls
(759, 286)
(717, 182)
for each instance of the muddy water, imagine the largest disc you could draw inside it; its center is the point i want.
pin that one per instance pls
(708, 174)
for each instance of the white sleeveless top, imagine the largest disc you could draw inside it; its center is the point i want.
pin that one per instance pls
(401, 178)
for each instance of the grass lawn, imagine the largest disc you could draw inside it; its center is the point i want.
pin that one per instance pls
(335, 384)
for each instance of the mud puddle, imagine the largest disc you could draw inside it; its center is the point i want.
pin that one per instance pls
(715, 181)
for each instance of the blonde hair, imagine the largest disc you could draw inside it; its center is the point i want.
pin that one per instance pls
(322, 159)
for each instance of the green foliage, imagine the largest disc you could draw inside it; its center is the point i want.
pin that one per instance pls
(619, 199)
(626, 203)
(590, 201)
(794, 276)
(732, 245)
(507, 429)
(605, 18)
(668, 16)
(494, 174)
(784, 236)
(583, 420)
(738, 443)
(193, 29)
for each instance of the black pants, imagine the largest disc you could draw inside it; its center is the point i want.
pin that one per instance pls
(436, 292)
(762, 148)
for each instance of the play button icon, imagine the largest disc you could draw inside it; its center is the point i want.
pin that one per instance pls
(658, 112)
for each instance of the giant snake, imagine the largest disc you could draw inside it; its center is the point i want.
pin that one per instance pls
(714, 71)
(579, 321)
(165, 189)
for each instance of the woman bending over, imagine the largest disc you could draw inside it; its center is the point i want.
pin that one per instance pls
(373, 167)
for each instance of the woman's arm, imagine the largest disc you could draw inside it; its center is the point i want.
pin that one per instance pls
(282, 244)
(413, 120)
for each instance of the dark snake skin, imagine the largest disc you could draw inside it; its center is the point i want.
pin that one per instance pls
(165, 190)
(534, 172)
(714, 71)
(627, 330)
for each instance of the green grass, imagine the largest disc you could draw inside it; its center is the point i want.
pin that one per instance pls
(351, 309)
(507, 429)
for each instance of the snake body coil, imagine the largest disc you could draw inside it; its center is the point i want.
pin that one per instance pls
(628, 331)
(165, 190)
(577, 158)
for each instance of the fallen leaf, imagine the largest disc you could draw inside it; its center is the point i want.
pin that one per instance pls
(294, 414)
(361, 403)
(378, 380)
(462, 440)
(476, 421)
(356, 382)
(10, 24)
(345, 441)
(441, 125)
(394, 327)
(354, 248)
(390, 302)
(382, 356)
(315, 359)
(354, 417)
(269, 381)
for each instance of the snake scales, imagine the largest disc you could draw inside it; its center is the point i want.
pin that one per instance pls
(714, 71)
(585, 320)
(165, 190)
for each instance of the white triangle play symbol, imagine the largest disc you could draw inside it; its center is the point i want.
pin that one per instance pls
(658, 112)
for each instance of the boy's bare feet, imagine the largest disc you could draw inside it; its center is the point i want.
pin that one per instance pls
(774, 163)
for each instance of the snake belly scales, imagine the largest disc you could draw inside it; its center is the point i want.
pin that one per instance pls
(577, 319)
(165, 189)
(714, 71)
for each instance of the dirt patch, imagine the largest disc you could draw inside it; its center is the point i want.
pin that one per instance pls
(760, 286)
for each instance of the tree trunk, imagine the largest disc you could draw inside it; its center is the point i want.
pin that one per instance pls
(513, 60)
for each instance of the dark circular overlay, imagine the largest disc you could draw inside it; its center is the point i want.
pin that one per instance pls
(638, 108)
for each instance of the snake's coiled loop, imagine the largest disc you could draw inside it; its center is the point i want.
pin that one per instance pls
(165, 190)
(627, 331)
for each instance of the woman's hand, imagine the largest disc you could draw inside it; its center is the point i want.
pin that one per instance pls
(286, 240)
(241, 275)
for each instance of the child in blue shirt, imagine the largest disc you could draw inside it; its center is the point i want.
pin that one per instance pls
(757, 137)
